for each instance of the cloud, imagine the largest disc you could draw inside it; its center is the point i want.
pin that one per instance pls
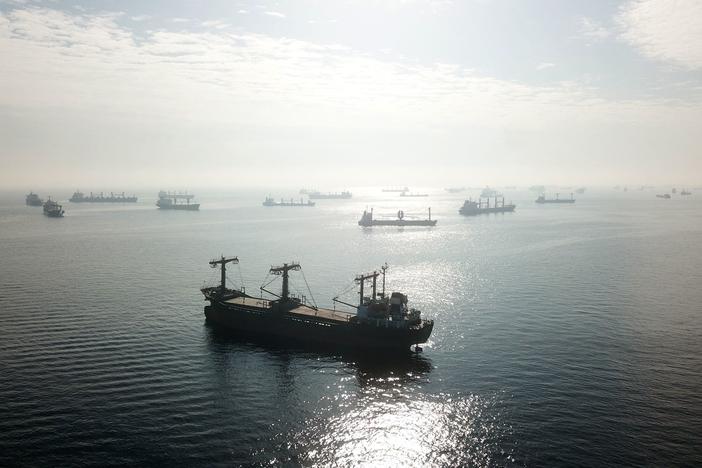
(217, 91)
(52, 58)
(663, 30)
(277, 14)
(140, 18)
(217, 24)
(592, 30)
(545, 65)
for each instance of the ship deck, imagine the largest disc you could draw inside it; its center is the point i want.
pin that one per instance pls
(301, 309)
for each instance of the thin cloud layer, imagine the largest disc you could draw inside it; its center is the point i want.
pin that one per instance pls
(53, 58)
(209, 87)
(665, 30)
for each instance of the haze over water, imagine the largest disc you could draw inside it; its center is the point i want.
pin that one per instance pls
(565, 335)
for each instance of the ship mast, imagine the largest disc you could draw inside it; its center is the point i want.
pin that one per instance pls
(283, 270)
(361, 279)
(382, 270)
(223, 262)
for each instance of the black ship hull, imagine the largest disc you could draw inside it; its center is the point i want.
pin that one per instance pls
(351, 335)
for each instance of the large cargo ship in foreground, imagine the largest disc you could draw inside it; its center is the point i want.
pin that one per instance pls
(378, 322)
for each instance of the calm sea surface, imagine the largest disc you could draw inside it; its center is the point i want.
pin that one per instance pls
(564, 336)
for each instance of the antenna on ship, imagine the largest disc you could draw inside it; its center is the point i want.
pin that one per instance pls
(383, 269)
(283, 270)
(223, 262)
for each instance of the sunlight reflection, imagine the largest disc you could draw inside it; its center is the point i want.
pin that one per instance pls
(386, 427)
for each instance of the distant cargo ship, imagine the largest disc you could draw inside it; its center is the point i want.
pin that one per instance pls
(665, 195)
(396, 189)
(53, 209)
(542, 199)
(378, 321)
(33, 200)
(79, 197)
(176, 201)
(472, 208)
(685, 192)
(488, 192)
(271, 202)
(329, 195)
(367, 220)
(408, 194)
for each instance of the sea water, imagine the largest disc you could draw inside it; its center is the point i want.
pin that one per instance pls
(564, 334)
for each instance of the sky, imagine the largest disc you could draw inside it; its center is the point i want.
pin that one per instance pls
(112, 95)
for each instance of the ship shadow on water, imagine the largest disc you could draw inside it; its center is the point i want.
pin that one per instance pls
(345, 408)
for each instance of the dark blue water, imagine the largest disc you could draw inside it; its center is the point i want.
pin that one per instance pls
(565, 335)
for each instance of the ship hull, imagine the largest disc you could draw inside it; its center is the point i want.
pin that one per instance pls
(311, 330)
(180, 206)
(398, 222)
(329, 196)
(288, 204)
(96, 200)
(475, 212)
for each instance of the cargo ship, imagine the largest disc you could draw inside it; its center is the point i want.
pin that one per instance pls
(176, 201)
(685, 192)
(367, 220)
(542, 199)
(408, 194)
(488, 192)
(79, 197)
(33, 200)
(271, 202)
(396, 189)
(53, 209)
(377, 322)
(329, 195)
(665, 195)
(472, 208)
